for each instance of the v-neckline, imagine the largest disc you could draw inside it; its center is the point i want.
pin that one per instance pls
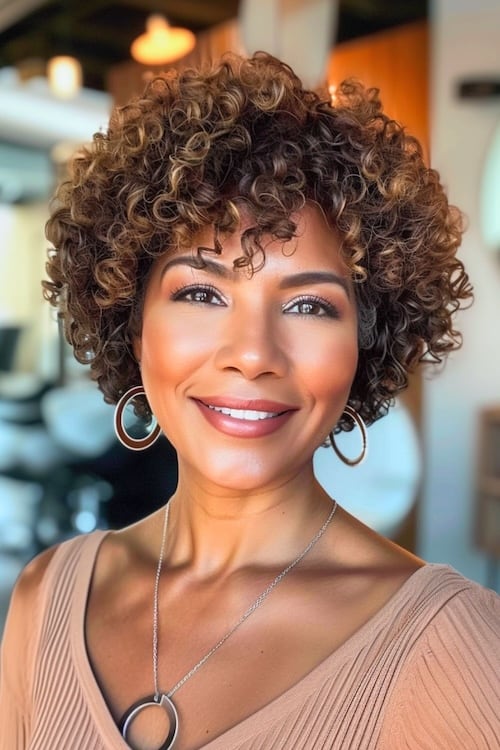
(291, 697)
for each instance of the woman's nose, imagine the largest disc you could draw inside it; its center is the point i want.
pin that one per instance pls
(252, 345)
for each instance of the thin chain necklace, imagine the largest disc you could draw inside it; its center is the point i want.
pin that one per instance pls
(164, 700)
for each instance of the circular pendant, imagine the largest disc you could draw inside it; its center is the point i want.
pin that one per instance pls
(152, 701)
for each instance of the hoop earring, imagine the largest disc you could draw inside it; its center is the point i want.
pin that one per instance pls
(357, 419)
(133, 444)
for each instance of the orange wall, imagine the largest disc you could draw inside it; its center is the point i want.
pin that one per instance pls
(396, 62)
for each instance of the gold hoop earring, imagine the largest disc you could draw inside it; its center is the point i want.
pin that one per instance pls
(353, 414)
(130, 442)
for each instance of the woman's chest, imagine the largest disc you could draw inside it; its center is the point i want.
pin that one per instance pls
(218, 675)
(228, 705)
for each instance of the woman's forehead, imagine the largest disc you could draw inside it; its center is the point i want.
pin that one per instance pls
(309, 219)
(314, 245)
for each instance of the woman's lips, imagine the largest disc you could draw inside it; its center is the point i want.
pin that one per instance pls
(245, 418)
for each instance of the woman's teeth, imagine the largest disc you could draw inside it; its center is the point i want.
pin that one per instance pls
(247, 414)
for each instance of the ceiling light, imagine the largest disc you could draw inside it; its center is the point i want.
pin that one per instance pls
(161, 43)
(65, 76)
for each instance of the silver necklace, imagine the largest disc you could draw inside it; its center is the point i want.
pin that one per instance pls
(164, 700)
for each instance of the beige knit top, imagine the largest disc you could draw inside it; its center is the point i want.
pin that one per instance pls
(423, 673)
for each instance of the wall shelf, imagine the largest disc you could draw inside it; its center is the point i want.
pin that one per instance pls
(487, 520)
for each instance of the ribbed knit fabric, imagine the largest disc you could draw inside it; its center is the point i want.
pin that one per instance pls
(423, 673)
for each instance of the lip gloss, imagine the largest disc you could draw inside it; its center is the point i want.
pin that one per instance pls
(247, 428)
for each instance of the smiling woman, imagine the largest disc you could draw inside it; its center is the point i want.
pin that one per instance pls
(211, 376)
(256, 270)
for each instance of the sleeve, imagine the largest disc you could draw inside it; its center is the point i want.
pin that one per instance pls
(447, 695)
(14, 718)
(17, 653)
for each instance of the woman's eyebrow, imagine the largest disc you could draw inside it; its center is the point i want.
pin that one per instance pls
(203, 264)
(314, 277)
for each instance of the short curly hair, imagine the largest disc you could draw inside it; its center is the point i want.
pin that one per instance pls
(198, 146)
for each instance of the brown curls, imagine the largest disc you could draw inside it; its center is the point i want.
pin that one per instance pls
(197, 149)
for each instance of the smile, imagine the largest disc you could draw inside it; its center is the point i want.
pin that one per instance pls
(246, 414)
(242, 418)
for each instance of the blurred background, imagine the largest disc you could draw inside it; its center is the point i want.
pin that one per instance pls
(432, 478)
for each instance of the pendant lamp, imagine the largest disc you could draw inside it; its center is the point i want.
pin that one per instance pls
(64, 74)
(161, 43)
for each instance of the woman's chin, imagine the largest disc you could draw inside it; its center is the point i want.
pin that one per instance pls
(240, 476)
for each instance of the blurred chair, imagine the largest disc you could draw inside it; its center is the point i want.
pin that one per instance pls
(9, 339)
(19, 501)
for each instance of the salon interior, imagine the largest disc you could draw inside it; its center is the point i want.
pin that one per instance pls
(431, 480)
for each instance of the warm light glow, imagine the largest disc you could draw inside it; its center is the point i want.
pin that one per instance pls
(161, 43)
(65, 76)
(332, 90)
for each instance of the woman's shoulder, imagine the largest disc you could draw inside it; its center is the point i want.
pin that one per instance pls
(33, 579)
(446, 694)
(25, 596)
(467, 611)
(412, 593)
(32, 575)
(453, 597)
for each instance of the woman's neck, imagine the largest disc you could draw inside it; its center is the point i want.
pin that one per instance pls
(215, 532)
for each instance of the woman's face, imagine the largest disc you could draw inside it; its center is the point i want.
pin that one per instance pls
(247, 376)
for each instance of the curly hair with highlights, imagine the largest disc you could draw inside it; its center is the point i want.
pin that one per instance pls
(199, 146)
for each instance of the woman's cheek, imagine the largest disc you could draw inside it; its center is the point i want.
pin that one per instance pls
(171, 345)
(331, 361)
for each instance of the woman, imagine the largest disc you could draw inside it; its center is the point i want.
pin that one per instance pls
(267, 268)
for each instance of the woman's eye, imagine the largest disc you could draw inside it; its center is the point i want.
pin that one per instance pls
(199, 295)
(312, 306)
